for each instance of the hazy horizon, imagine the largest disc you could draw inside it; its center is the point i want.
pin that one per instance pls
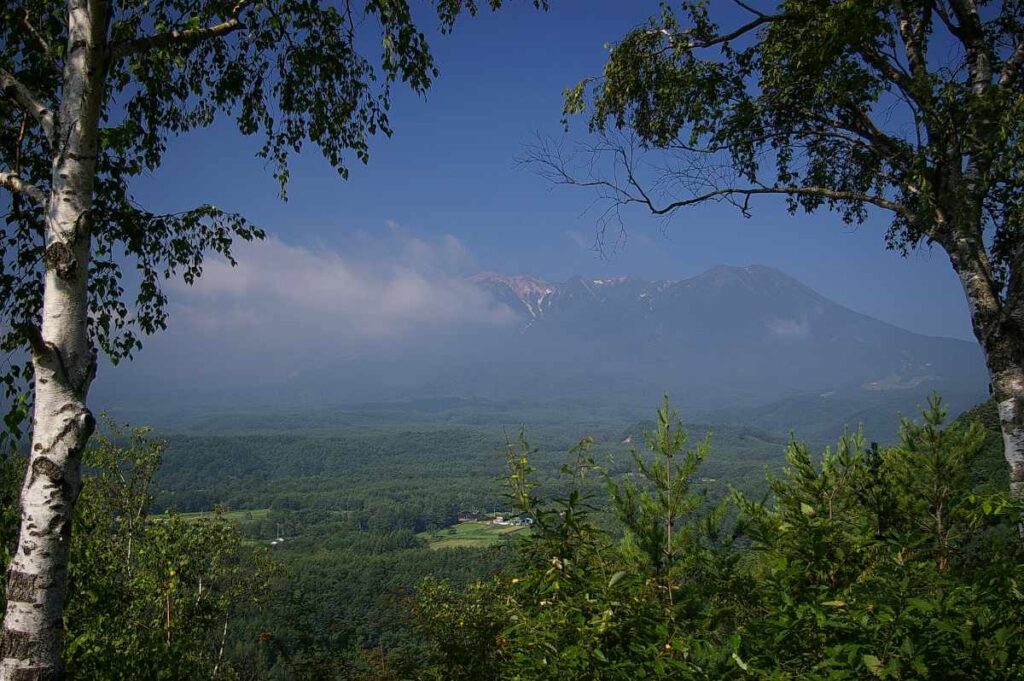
(408, 321)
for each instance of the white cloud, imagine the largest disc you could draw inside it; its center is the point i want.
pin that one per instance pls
(583, 241)
(394, 286)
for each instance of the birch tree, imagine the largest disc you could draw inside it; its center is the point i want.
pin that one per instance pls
(90, 93)
(911, 107)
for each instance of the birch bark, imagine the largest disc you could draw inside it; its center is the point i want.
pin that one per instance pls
(64, 362)
(997, 325)
(1008, 391)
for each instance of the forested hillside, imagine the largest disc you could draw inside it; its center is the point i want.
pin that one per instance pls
(324, 539)
(863, 562)
(359, 510)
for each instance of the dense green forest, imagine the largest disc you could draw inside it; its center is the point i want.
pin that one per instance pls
(864, 562)
(296, 553)
(352, 505)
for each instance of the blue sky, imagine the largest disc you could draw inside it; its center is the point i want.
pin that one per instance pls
(449, 173)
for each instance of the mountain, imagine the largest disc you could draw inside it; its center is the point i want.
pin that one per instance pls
(742, 340)
(734, 345)
(743, 329)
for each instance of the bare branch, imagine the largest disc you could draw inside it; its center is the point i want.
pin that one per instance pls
(823, 192)
(180, 38)
(555, 166)
(40, 39)
(12, 182)
(14, 90)
(748, 8)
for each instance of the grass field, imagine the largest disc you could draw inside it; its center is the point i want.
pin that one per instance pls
(476, 535)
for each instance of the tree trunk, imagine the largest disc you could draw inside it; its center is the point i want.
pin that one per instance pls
(997, 324)
(64, 362)
(1008, 391)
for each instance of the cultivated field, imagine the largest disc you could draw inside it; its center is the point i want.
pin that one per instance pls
(475, 535)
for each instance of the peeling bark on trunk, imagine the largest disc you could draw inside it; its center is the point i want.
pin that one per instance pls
(65, 362)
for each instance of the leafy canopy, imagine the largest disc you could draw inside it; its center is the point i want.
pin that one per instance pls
(914, 107)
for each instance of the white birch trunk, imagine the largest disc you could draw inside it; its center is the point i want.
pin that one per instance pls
(1008, 390)
(997, 327)
(64, 361)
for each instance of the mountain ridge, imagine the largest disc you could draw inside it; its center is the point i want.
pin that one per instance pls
(536, 294)
(749, 345)
(734, 333)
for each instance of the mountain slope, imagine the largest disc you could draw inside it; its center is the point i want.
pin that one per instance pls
(734, 332)
(742, 345)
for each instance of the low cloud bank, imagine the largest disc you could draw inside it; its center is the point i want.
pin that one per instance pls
(387, 288)
(389, 300)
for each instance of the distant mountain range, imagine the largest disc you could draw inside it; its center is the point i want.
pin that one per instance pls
(743, 329)
(745, 345)
(733, 341)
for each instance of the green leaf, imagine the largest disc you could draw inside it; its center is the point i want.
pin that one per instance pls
(873, 664)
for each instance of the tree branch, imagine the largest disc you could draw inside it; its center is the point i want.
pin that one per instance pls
(970, 29)
(839, 133)
(180, 38)
(748, 8)
(1011, 67)
(972, 34)
(895, 74)
(823, 192)
(174, 37)
(760, 20)
(940, 9)
(16, 91)
(914, 32)
(1015, 285)
(41, 40)
(35, 338)
(14, 183)
(554, 166)
(892, 148)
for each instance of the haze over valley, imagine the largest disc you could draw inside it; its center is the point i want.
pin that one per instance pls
(746, 344)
